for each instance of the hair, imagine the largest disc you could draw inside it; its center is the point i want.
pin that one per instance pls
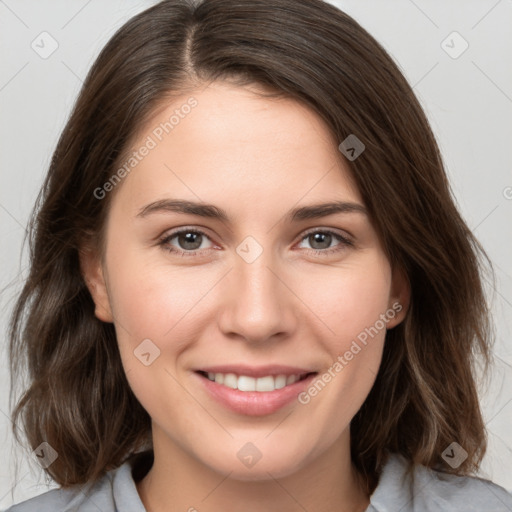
(425, 394)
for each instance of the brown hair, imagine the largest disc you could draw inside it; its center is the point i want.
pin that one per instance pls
(424, 398)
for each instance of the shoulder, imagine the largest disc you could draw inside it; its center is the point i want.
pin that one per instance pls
(116, 490)
(56, 499)
(426, 490)
(76, 498)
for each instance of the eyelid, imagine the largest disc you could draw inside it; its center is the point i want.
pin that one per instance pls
(168, 235)
(344, 234)
(345, 240)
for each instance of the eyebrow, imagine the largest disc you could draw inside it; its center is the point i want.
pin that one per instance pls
(314, 211)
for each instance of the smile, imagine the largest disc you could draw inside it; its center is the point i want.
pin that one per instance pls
(254, 395)
(247, 383)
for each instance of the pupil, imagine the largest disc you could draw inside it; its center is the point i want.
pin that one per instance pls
(190, 241)
(321, 238)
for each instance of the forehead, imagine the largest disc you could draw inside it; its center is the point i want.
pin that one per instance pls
(234, 146)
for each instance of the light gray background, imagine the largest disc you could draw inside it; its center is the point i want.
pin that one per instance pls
(467, 99)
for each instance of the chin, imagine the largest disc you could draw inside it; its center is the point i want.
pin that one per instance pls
(267, 467)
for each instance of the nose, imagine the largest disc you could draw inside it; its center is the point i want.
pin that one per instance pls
(257, 302)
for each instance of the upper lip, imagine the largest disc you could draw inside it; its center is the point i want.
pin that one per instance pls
(256, 371)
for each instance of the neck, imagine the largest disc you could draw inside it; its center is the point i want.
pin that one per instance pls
(179, 481)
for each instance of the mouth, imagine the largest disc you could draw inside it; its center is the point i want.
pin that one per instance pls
(264, 391)
(247, 383)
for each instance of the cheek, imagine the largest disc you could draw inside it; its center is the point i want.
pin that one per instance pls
(161, 311)
(152, 299)
(154, 308)
(350, 300)
(353, 303)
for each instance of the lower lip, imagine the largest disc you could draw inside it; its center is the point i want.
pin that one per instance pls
(254, 403)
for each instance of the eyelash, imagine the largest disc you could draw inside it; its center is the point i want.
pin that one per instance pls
(164, 242)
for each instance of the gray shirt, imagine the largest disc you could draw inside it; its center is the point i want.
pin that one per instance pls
(422, 491)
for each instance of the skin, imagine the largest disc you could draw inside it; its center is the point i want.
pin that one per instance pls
(257, 159)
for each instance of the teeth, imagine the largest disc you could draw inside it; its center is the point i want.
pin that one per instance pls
(265, 384)
(245, 383)
(291, 379)
(280, 381)
(230, 380)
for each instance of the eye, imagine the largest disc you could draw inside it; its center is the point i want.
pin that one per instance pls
(189, 242)
(321, 240)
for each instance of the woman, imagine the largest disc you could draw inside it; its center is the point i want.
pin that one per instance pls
(250, 285)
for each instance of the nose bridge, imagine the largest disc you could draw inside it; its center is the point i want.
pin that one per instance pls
(258, 304)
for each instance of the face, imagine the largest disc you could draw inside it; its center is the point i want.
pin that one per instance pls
(257, 297)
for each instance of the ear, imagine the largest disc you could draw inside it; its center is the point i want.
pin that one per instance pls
(93, 274)
(399, 298)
